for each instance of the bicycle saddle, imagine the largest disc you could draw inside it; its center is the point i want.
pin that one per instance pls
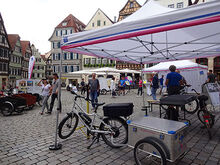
(203, 98)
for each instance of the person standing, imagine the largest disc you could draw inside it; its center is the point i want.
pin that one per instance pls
(140, 86)
(211, 77)
(154, 86)
(45, 94)
(54, 91)
(173, 83)
(112, 87)
(83, 86)
(94, 88)
(161, 84)
(122, 85)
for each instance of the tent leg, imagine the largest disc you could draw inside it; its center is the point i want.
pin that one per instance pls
(56, 145)
(144, 108)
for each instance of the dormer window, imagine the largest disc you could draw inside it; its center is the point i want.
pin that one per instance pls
(131, 4)
(64, 23)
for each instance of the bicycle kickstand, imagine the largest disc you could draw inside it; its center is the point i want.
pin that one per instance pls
(96, 138)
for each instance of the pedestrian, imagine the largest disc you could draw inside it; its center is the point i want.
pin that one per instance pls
(161, 84)
(140, 86)
(45, 94)
(211, 77)
(83, 86)
(94, 88)
(154, 86)
(112, 87)
(122, 85)
(173, 83)
(54, 91)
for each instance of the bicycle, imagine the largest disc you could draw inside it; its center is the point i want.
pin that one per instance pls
(113, 130)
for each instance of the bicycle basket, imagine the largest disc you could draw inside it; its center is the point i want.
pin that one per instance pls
(118, 109)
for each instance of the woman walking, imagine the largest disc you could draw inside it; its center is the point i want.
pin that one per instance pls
(45, 93)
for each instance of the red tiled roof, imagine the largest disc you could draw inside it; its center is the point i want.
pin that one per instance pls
(72, 22)
(24, 46)
(13, 38)
(43, 57)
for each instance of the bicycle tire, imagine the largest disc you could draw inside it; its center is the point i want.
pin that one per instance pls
(70, 126)
(7, 109)
(149, 141)
(103, 92)
(116, 130)
(208, 130)
(200, 116)
(193, 110)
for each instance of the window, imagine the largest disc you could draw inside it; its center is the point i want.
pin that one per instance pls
(93, 24)
(54, 68)
(98, 23)
(65, 56)
(58, 56)
(65, 69)
(64, 23)
(38, 75)
(58, 44)
(1, 52)
(72, 70)
(5, 53)
(77, 68)
(93, 61)
(54, 57)
(179, 5)
(131, 4)
(104, 23)
(56, 33)
(104, 61)
(87, 60)
(71, 56)
(202, 61)
(99, 61)
(3, 39)
(171, 6)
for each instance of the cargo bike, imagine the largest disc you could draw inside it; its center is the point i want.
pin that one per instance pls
(154, 140)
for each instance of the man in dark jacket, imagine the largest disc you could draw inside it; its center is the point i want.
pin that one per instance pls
(154, 86)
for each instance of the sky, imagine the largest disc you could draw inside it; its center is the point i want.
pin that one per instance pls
(35, 20)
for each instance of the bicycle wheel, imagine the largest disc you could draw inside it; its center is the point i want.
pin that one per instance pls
(192, 107)
(68, 125)
(203, 115)
(120, 128)
(147, 151)
(7, 109)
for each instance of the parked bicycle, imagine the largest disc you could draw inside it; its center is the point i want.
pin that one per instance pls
(113, 130)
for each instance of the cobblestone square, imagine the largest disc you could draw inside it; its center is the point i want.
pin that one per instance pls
(25, 138)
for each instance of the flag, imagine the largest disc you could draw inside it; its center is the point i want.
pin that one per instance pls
(31, 66)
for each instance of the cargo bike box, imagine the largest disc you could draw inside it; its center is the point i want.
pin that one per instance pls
(118, 109)
(169, 135)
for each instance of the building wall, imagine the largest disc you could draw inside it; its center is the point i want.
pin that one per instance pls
(39, 67)
(4, 55)
(99, 20)
(15, 64)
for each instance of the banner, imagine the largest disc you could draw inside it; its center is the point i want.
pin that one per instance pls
(31, 66)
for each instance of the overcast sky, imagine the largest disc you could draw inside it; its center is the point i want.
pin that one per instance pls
(35, 20)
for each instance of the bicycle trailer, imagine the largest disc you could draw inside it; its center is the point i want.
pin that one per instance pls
(167, 134)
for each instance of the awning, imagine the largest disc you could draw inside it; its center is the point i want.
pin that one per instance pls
(167, 34)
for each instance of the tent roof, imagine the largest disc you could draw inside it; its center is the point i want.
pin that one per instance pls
(180, 65)
(106, 69)
(191, 32)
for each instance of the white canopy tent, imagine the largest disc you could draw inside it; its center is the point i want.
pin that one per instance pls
(106, 70)
(154, 34)
(130, 71)
(194, 73)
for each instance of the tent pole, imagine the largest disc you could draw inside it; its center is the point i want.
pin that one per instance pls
(144, 108)
(56, 145)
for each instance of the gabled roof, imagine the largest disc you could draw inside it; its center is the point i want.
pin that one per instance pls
(24, 46)
(72, 22)
(102, 13)
(13, 38)
(43, 57)
(127, 4)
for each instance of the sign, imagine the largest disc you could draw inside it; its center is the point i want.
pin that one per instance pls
(31, 66)
(213, 90)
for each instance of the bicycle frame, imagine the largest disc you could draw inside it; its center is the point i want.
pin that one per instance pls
(93, 116)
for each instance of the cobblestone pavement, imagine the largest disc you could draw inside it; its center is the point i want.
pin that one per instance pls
(24, 139)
